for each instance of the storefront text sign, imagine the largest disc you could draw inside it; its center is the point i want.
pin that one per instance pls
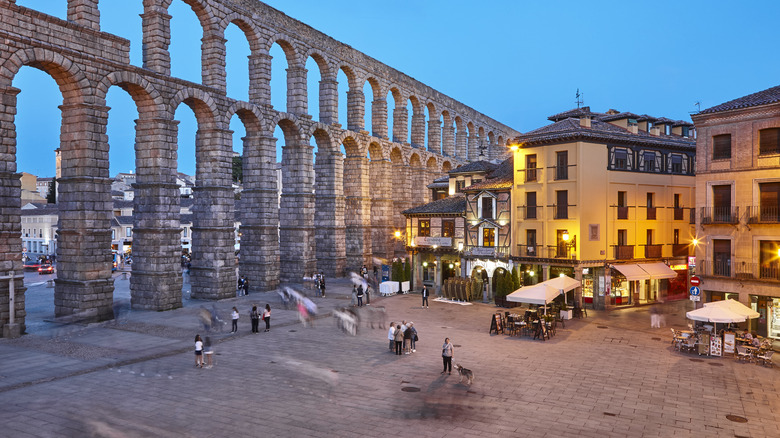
(431, 241)
(484, 252)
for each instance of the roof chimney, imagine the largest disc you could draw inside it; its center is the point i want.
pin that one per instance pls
(633, 128)
(585, 121)
(655, 130)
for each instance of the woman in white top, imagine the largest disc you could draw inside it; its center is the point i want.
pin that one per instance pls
(198, 351)
(391, 336)
(267, 317)
(235, 320)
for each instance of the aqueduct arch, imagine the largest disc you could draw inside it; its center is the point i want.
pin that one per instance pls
(374, 180)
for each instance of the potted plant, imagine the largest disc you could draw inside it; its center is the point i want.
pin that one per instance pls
(566, 313)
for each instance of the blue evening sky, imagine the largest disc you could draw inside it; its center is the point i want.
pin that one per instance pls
(516, 61)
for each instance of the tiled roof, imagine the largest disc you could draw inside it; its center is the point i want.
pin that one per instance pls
(770, 95)
(121, 203)
(619, 116)
(491, 184)
(440, 183)
(646, 118)
(186, 218)
(663, 121)
(570, 130)
(451, 205)
(474, 167)
(576, 112)
(41, 210)
(123, 220)
(681, 123)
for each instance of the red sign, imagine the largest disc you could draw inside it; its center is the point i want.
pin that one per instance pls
(695, 281)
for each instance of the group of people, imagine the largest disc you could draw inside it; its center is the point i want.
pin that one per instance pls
(402, 337)
(358, 293)
(254, 316)
(243, 286)
(319, 284)
(203, 352)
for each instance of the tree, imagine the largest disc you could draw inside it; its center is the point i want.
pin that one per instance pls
(51, 195)
(517, 281)
(408, 270)
(238, 169)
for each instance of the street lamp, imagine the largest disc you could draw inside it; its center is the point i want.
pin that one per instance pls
(569, 241)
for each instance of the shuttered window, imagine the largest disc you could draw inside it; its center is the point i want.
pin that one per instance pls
(769, 141)
(721, 147)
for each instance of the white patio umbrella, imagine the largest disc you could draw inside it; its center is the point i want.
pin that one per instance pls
(734, 306)
(539, 294)
(715, 314)
(563, 284)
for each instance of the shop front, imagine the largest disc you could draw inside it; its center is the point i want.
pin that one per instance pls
(643, 283)
(768, 322)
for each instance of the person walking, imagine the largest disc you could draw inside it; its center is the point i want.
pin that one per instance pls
(322, 284)
(234, 316)
(447, 352)
(208, 352)
(267, 317)
(255, 316)
(198, 352)
(317, 285)
(413, 337)
(354, 296)
(368, 295)
(360, 296)
(398, 335)
(425, 296)
(391, 336)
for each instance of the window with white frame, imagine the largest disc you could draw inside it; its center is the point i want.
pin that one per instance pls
(487, 207)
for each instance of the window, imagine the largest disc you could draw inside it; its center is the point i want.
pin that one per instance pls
(459, 184)
(487, 207)
(447, 228)
(562, 204)
(622, 209)
(677, 166)
(530, 242)
(678, 210)
(770, 201)
(721, 147)
(530, 205)
(721, 203)
(650, 206)
(113, 234)
(562, 165)
(769, 141)
(621, 159)
(721, 257)
(649, 240)
(530, 168)
(184, 232)
(562, 249)
(649, 161)
(676, 237)
(489, 237)
(768, 259)
(622, 237)
(686, 131)
(424, 228)
(476, 181)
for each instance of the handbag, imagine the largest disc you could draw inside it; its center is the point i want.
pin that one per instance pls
(416, 338)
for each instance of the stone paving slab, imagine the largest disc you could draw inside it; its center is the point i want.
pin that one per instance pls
(623, 380)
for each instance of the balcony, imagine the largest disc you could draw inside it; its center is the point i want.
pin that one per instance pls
(679, 213)
(561, 251)
(530, 212)
(721, 268)
(561, 173)
(651, 213)
(681, 250)
(531, 175)
(623, 252)
(763, 215)
(529, 250)
(560, 211)
(653, 251)
(622, 212)
(719, 215)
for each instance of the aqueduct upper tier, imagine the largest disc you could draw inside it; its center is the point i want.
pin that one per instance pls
(354, 197)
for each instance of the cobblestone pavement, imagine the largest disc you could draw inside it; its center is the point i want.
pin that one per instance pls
(605, 375)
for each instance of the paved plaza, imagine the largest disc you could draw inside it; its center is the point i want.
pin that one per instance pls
(609, 374)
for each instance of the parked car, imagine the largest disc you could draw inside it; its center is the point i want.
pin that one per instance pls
(31, 265)
(46, 268)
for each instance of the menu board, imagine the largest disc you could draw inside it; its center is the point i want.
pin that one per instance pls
(716, 346)
(729, 342)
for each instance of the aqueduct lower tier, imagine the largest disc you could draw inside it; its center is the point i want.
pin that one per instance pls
(336, 212)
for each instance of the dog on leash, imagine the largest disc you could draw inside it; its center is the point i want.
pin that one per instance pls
(465, 373)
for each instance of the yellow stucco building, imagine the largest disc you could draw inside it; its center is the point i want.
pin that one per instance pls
(606, 198)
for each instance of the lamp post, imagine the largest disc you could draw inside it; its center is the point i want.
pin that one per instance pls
(569, 241)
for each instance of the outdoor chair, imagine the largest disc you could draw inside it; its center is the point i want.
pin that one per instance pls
(743, 354)
(766, 358)
(689, 344)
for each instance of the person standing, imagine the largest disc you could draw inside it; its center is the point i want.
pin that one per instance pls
(198, 352)
(360, 296)
(425, 296)
(255, 316)
(317, 285)
(391, 336)
(234, 316)
(239, 286)
(322, 284)
(398, 335)
(246, 286)
(364, 272)
(408, 339)
(413, 337)
(267, 317)
(208, 352)
(447, 351)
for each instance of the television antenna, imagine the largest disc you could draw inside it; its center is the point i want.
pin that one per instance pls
(579, 98)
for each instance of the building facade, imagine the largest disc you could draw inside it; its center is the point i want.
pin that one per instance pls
(738, 200)
(606, 198)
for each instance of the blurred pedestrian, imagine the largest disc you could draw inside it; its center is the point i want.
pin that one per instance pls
(234, 316)
(398, 335)
(391, 336)
(353, 303)
(208, 352)
(654, 317)
(255, 316)
(322, 284)
(198, 352)
(447, 352)
(267, 317)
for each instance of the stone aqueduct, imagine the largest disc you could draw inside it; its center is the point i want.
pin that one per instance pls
(354, 200)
